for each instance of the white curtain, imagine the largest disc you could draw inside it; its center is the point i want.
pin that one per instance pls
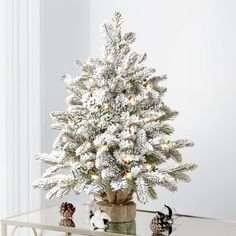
(20, 93)
(3, 184)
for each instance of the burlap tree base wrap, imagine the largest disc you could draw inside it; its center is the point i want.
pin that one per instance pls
(127, 228)
(117, 204)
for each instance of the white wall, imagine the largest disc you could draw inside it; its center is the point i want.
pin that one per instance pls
(194, 43)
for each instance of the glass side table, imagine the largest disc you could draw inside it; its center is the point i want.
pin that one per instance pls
(50, 219)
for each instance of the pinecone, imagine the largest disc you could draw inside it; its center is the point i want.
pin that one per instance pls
(160, 223)
(67, 210)
(67, 223)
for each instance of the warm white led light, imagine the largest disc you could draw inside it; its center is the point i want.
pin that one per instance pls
(91, 80)
(71, 123)
(132, 100)
(133, 128)
(105, 106)
(90, 164)
(87, 144)
(72, 162)
(165, 146)
(149, 87)
(109, 58)
(146, 119)
(128, 175)
(125, 66)
(103, 148)
(149, 167)
(93, 176)
(126, 159)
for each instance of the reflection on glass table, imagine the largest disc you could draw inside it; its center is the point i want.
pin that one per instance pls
(50, 219)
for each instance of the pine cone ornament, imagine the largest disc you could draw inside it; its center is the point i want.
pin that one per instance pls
(162, 222)
(67, 210)
(67, 223)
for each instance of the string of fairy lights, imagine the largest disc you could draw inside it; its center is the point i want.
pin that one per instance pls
(126, 158)
(114, 133)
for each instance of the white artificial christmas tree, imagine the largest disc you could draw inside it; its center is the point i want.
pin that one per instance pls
(114, 136)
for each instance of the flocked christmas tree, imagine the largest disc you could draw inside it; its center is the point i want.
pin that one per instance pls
(114, 135)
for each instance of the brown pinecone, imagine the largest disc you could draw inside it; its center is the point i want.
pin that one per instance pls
(67, 210)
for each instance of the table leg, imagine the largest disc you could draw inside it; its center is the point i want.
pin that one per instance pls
(35, 232)
(4, 229)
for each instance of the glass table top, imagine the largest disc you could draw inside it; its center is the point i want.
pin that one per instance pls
(50, 219)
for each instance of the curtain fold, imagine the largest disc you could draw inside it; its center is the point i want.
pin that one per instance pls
(3, 173)
(23, 104)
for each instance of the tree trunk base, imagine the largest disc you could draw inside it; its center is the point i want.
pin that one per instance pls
(119, 213)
